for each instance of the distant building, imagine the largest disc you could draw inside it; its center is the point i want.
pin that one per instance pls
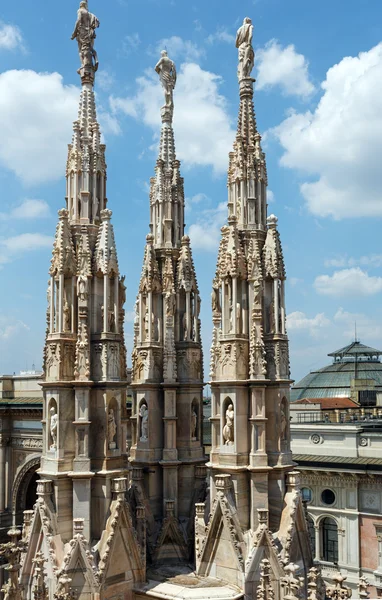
(336, 432)
(356, 373)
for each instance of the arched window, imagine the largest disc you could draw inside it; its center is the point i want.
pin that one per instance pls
(329, 540)
(312, 535)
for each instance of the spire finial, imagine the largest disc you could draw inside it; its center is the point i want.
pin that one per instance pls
(246, 53)
(84, 33)
(167, 74)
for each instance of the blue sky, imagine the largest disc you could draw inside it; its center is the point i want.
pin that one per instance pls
(318, 104)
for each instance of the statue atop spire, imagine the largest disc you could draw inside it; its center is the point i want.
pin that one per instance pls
(246, 53)
(84, 33)
(167, 74)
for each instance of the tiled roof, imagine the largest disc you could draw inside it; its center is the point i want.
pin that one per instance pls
(354, 460)
(21, 401)
(327, 403)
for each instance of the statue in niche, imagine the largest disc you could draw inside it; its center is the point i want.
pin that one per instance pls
(170, 305)
(111, 320)
(215, 300)
(111, 429)
(185, 328)
(228, 429)
(246, 54)
(230, 317)
(148, 324)
(167, 74)
(84, 33)
(283, 426)
(257, 288)
(194, 423)
(238, 317)
(144, 415)
(53, 424)
(67, 325)
(82, 287)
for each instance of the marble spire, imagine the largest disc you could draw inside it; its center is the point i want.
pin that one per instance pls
(167, 355)
(247, 173)
(85, 356)
(86, 165)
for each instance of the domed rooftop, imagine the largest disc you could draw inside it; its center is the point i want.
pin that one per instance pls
(353, 362)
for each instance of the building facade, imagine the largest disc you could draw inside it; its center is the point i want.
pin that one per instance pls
(341, 480)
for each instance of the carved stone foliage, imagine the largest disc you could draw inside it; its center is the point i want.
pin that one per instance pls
(53, 360)
(63, 257)
(27, 443)
(68, 362)
(257, 355)
(113, 360)
(270, 358)
(282, 360)
(189, 364)
(232, 360)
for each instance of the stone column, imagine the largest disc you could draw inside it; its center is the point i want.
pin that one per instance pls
(61, 303)
(276, 304)
(234, 305)
(52, 298)
(188, 313)
(116, 303)
(150, 313)
(105, 302)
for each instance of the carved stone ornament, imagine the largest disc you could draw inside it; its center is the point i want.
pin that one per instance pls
(316, 438)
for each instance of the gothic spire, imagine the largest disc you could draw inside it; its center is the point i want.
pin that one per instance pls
(86, 166)
(247, 174)
(166, 193)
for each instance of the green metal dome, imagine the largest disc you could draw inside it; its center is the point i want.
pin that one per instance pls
(355, 361)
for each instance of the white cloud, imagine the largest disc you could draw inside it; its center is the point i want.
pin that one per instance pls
(299, 321)
(17, 245)
(348, 282)
(283, 67)
(31, 209)
(10, 327)
(372, 260)
(105, 80)
(177, 48)
(367, 327)
(36, 115)
(196, 199)
(131, 43)
(11, 37)
(340, 142)
(202, 124)
(221, 35)
(270, 197)
(205, 233)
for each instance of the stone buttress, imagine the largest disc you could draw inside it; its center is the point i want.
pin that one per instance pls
(84, 460)
(250, 461)
(167, 453)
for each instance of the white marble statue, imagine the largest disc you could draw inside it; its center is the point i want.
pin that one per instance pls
(167, 74)
(66, 316)
(111, 429)
(246, 54)
(194, 423)
(84, 33)
(144, 414)
(228, 431)
(53, 424)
